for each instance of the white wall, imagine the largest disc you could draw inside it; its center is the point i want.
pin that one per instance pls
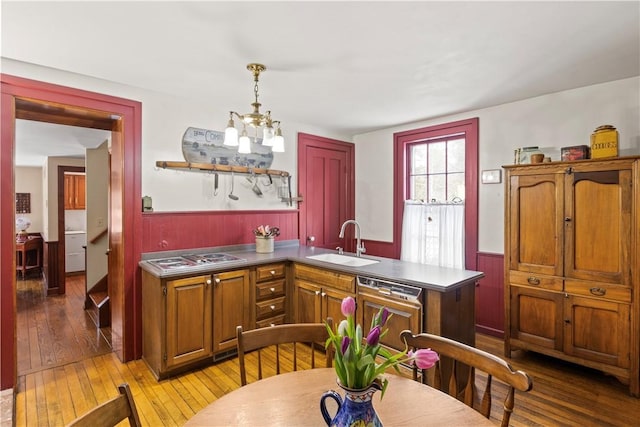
(29, 180)
(551, 121)
(165, 118)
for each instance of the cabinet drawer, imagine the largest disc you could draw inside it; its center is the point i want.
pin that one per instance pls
(270, 308)
(535, 280)
(270, 289)
(598, 290)
(268, 272)
(319, 276)
(272, 321)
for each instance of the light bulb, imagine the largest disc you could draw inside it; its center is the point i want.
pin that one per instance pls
(245, 144)
(267, 136)
(231, 135)
(278, 142)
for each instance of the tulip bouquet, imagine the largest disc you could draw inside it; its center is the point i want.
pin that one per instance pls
(266, 231)
(355, 356)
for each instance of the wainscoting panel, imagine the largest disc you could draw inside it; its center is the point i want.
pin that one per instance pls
(490, 295)
(378, 248)
(166, 231)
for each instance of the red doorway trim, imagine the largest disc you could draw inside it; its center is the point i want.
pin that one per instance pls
(401, 139)
(13, 87)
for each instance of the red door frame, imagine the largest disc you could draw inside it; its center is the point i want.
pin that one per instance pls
(400, 188)
(131, 112)
(306, 140)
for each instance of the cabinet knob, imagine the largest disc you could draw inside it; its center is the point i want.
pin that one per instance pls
(217, 281)
(533, 280)
(272, 307)
(567, 219)
(208, 282)
(272, 290)
(272, 324)
(324, 294)
(317, 292)
(273, 272)
(567, 321)
(598, 291)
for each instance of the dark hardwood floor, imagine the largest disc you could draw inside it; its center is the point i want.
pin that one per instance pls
(55, 330)
(67, 368)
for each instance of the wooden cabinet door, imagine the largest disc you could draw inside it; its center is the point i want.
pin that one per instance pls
(188, 329)
(332, 304)
(598, 226)
(404, 316)
(68, 192)
(75, 192)
(80, 201)
(597, 330)
(231, 307)
(536, 316)
(535, 223)
(307, 303)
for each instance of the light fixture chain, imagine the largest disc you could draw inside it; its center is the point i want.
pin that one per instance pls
(255, 89)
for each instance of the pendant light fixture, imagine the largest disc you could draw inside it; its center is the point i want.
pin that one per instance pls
(271, 133)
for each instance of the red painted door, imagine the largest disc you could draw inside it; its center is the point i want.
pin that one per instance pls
(326, 181)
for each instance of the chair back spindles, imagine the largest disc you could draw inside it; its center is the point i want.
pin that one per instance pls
(309, 335)
(469, 359)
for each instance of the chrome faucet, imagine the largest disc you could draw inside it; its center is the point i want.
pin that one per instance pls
(360, 249)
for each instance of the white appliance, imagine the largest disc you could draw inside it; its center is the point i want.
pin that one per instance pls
(74, 251)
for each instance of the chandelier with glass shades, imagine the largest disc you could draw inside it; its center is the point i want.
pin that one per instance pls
(271, 133)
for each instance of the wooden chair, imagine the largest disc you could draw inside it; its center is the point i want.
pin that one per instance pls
(474, 358)
(112, 411)
(294, 333)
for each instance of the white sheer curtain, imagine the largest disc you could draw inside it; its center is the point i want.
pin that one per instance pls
(433, 233)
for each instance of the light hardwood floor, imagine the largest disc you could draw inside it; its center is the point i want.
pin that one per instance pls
(563, 394)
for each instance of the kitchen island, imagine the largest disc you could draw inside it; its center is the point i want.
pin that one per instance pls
(192, 300)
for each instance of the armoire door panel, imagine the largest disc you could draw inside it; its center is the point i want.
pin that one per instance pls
(598, 240)
(535, 227)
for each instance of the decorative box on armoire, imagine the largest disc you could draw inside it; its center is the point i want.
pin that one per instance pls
(572, 263)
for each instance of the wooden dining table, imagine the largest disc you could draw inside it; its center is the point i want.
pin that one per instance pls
(293, 399)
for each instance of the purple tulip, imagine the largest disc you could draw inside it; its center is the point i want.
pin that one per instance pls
(345, 344)
(348, 306)
(383, 316)
(374, 336)
(424, 358)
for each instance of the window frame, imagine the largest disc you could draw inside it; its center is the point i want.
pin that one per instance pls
(447, 174)
(402, 140)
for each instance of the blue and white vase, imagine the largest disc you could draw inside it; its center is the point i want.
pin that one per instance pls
(356, 409)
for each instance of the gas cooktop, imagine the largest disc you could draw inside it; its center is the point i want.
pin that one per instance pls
(193, 260)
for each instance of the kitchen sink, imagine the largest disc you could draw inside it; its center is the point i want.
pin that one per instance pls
(347, 260)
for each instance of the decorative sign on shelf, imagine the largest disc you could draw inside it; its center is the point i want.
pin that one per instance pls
(23, 203)
(207, 146)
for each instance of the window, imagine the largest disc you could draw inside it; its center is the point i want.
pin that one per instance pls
(436, 169)
(465, 133)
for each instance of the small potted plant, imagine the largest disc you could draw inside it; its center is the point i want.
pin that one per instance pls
(265, 235)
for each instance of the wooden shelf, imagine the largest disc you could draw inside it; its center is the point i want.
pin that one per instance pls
(209, 167)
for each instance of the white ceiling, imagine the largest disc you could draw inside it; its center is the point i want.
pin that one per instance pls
(37, 140)
(348, 66)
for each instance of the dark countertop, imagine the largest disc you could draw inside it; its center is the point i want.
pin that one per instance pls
(421, 275)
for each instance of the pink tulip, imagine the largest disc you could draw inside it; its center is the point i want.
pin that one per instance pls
(348, 306)
(424, 358)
